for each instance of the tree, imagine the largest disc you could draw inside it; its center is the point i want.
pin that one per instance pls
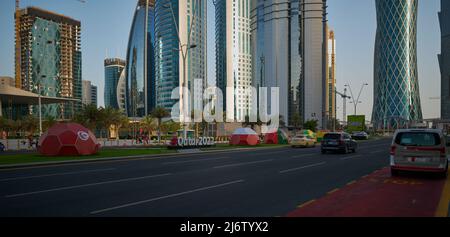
(311, 125)
(49, 122)
(159, 113)
(148, 123)
(89, 116)
(29, 124)
(252, 124)
(296, 121)
(112, 118)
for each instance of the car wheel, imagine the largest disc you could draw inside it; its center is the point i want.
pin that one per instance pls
(346, 150)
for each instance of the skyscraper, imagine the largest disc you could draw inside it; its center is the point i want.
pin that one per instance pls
(234, 56)
(444, 58)
(140, 65)
(314, 54)
(48, 58)
(331, 79)
(185, 22)
(89, 92)
(275, 29)
(115, 83)
(396, 95)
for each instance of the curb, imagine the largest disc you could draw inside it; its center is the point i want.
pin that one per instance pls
(122, 158)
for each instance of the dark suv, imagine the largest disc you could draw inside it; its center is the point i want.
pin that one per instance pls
(338, 142)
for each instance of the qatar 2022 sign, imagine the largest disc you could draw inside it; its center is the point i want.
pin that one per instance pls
(191, 142)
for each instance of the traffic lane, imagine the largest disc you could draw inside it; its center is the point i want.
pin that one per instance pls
(380, 195)
(36, 182)
(78, 201)
(61, 168)
(30, 183)
(262, 193)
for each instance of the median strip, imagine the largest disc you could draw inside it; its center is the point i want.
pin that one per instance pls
(85, 185)
(165, 197)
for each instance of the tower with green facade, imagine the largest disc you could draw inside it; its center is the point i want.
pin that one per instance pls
(48, 49)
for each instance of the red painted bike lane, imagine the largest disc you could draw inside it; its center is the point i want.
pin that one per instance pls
(378, 195)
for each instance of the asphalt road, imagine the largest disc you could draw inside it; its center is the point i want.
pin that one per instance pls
(261, 183)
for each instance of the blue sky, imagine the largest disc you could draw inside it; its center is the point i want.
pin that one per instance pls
(106, 25)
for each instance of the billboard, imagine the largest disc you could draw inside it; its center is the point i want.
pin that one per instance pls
(356, 123)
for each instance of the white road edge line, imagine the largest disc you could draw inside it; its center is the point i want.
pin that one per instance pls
(351, 157)
(56, 174)
(193, 161)
(303, 167)
(165, 197)
(242, 164)
(86, 185)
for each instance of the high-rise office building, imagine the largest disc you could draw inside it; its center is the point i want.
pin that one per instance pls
(234, 56)
(181, 23)
(314, 57)
(444, 58)
(48, 58)
(396, 95)
(331, 80)
(115, 83)
(275, 30)
(140, 65)
(89, 92)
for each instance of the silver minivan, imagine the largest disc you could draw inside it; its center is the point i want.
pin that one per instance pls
(423, 150)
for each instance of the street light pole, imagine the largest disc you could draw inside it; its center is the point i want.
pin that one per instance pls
(357, 101)
(184, 49)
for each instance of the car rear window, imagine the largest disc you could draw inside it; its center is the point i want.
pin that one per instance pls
(418, 139)
(332, 136)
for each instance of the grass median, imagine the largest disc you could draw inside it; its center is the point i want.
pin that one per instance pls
(32, 158)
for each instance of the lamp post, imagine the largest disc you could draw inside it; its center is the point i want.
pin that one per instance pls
(357, 101)
(184, 49)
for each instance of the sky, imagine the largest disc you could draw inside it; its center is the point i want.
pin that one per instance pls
(106, 26)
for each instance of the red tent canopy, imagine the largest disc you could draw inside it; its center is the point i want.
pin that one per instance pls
(244, 137)
(68, 139)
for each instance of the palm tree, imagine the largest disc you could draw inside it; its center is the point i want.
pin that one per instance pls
(29, 124)
(252, 124)
(148, 123)
(296, 121)
(159, 113)
(49, 122)
(112, 119)
(89, 116)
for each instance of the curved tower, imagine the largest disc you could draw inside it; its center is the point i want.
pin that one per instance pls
(140, 67)
(396, 95)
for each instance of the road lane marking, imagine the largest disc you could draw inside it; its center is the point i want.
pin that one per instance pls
(193, 161)
(242, 164)
(333, 191)
(306, 203)
(85, 185)
(351, 157)
(270, 153)
(167, 196)
(56, 174)
(303, 167)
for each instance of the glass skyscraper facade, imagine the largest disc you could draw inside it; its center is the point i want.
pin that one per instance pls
(396, 95)
(114, 69)
(444, 58)
(234, 56)
(140, 66)
(275, 28)
(48, 59)
(170, 16)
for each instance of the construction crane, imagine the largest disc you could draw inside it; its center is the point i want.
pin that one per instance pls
(344, 96)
